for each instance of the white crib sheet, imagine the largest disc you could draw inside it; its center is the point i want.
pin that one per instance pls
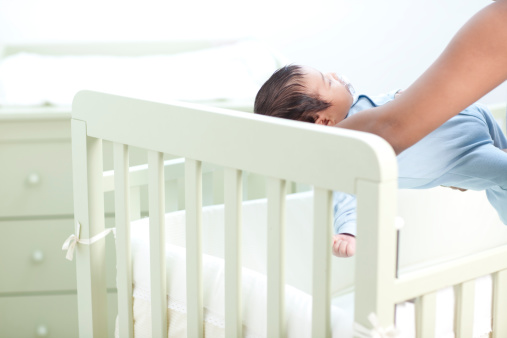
(254, 291)
(254, 296)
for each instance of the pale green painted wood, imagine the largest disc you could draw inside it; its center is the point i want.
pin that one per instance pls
(464, 296)
(207, 185)
(284, 147)
(32, 182)
(123, 253)
(499, 310)
(135, 203)
(425, 315)
(322, 236)
(375, 252)
(36, 262)
(193, 203)
(89, 212)
(171, 197)
(139, 174)
(32, 256)
(233, 239)
(417, 283)
(174, 185)
(22, 316)
(157, 245)
(276, 258)
(162, 127)
(218, 186)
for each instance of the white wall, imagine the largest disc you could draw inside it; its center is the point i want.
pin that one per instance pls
(379, 45)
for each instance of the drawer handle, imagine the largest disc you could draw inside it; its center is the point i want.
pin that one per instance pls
(33, 179)
(37, 256)
(42, 331)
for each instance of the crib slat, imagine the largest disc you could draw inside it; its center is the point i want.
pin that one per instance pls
(322, 237)
(276, 257)
(499, 311)
(157, 245)
(193, 206)
(376, 233)
(123, 257)
(464, 309)
(426, 306)
(233, 238)
(89, 212)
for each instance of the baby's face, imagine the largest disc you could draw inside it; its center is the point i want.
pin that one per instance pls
(331, 88)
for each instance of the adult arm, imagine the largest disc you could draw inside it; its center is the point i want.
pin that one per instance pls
(474, 62)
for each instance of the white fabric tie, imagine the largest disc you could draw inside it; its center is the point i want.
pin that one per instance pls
(71, 242)
(377, 331)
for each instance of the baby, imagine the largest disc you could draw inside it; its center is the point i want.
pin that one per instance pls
(469, 151)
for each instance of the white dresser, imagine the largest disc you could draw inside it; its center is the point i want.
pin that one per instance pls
(37, 284)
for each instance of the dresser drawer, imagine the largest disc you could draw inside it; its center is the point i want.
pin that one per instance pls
(45, 316)
(32, 260)
(36, 179)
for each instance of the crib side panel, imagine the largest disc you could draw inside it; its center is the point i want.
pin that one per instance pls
(89, 213)
(326, 158)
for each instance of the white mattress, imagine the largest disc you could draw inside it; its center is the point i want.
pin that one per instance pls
(298, 302)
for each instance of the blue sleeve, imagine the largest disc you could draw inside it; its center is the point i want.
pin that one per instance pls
(344, 207)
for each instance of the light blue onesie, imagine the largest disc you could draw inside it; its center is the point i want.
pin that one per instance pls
(465, 152)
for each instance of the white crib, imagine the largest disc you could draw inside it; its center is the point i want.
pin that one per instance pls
(325, 158)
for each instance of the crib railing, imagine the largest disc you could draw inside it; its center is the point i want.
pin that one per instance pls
(325, 158)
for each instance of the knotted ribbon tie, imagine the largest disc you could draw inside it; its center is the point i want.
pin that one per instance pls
(71, 242)
(377, 331)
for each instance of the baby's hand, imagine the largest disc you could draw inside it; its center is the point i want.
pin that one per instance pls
(344, 245)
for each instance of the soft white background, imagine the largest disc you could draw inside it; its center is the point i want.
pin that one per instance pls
(379, 45)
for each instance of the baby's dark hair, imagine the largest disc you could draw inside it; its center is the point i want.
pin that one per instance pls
(284, 95)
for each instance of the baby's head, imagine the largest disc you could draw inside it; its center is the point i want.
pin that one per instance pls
(304, 94)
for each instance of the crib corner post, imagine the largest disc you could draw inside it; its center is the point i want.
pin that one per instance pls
(89, 213)
(376, 252)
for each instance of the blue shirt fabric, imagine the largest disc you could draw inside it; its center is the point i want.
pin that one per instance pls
(465, 152)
